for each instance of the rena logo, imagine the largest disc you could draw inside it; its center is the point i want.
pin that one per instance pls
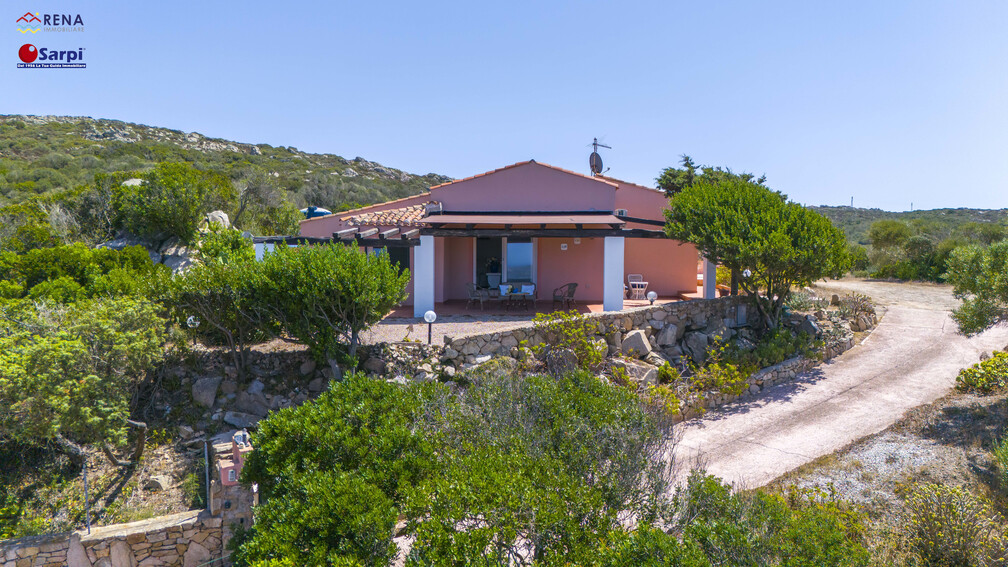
(52, 23)
(42, 58)
(28, 53)
(29, 23)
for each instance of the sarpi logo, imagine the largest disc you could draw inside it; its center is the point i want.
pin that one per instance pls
(44, 58)
(29, 23)
(50, 22)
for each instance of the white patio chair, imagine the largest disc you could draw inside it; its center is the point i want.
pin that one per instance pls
(637, 285)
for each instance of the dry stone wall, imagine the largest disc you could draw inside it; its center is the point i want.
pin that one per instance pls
(186, 539)
(673, 332)
(683, 328)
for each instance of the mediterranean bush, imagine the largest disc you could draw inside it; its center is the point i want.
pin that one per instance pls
(68, 374)
(985, 377)
(327, 295)
(536, 469)
(572, 331)
(1000, 453)
(172, 199)
(773, 347)
(948, 526)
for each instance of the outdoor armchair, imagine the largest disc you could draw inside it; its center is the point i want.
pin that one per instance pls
(564, 295)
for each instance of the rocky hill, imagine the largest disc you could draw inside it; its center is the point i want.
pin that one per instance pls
(41, 155)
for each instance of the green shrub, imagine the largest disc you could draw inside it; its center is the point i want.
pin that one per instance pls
(225, 245)
(74, 271)
(773, 347)
(985, 377)
(797, 528)
(171, 200)
(648, 546)
(569, 330)
(333, 472)
(668, 374)
(1000, 453)
(859, 257)
(220, 304)
(979, 276)
(948, 526)
(327, 295)
(59, 290)
(324, 518)
(71, 372)
(854, 305)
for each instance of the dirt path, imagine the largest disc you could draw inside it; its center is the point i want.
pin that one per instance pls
(912, 358)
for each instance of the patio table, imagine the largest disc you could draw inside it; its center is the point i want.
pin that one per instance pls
(637, 290)
(516, 298)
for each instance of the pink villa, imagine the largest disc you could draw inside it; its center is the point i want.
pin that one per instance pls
(527, 224)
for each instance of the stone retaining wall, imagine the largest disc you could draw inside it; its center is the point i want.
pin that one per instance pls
(186, 539)
(664, 327)
(765, 378)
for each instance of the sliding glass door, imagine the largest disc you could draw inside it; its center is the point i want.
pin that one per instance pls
(498, 260)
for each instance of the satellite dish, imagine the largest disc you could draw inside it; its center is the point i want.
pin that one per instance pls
(595, 162)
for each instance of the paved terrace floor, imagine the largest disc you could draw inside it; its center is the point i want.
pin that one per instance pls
(455, 320)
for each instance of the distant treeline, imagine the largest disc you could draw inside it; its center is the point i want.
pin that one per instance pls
(914, 245)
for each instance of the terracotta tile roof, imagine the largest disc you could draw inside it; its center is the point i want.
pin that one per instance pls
(596, 178)
(343, 215)
(403, 216)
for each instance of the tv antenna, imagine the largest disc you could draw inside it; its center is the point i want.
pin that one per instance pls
(595, 160)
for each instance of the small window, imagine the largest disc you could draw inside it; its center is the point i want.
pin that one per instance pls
(232, 477)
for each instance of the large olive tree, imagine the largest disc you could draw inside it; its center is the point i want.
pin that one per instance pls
(748, 227)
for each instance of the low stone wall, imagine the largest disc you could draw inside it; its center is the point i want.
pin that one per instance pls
(763, 379)
(677, 329)
(186, 539)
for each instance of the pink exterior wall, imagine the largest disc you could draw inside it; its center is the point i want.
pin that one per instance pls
(641, 202)
(526, 187)
(458, 267)
(580, 263)
(668, 266)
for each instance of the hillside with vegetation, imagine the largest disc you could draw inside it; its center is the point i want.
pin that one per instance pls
(46, 160)
(913, 245)
(855, 221)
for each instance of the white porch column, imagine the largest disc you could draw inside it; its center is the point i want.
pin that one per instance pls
(709, 279)
(423, 276)
(612, 274)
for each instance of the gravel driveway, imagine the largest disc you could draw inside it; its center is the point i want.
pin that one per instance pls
(911, 358)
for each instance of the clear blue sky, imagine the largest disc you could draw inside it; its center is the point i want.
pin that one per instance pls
(888, 102)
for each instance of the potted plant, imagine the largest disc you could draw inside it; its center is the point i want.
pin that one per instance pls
(493, 271)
